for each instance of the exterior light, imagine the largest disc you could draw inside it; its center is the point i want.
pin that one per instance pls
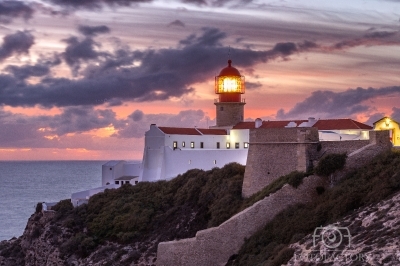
(387, 122)
(226, 84)
(229, 80)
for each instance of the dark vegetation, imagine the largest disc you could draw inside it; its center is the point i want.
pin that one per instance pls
(149, 213)
(330, 164)
(370, 184)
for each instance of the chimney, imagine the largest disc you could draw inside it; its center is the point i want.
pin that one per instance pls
(258, 123)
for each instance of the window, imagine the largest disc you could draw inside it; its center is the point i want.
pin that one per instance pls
(228, 145)
(183, 144)
(111, 168)
(215, 161)
(192, 144)
(217, 145)
(201, 145)
(221, 108)
(136, 182)
(175, 145)
(117, 182)
(237, 145)
(246, 145)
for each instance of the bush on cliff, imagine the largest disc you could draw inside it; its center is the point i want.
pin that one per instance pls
(152, 212)
(368, 185)
(330, 164)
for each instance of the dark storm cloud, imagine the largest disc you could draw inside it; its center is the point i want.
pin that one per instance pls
(17, 43)
(137, 115)
(81, 119)
(95, 4)
(113, 78)
(93, 31)
(329, 104)
(162, 74)
(80, 50)
(41, 68)
(10, 10)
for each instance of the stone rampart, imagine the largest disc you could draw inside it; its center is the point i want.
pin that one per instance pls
(345, 146)
(214, 246)
(274, 152)
(378, 143)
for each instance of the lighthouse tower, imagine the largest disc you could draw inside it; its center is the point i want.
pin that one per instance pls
(229, 85)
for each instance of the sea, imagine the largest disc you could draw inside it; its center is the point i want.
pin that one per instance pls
(25, 183)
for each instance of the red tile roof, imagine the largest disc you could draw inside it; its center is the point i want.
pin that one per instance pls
(340, 124)
(206, 131)
(192, 131)
(179, 131)
(322, 124)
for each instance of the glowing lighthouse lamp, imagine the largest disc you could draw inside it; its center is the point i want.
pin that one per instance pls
(229, 85)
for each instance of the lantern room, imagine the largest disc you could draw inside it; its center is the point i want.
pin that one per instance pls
(229, 84)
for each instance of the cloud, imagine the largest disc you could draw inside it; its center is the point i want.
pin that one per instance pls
(93, 31)
(253, 85)
(80, 50)
(17, 43)
(10, 10)
(95, 4)
(138, 122)
(396, 114)
(176, 23)
(41, 68)
(329, 104)
(370, 38)
(81, 119)
(114, 77)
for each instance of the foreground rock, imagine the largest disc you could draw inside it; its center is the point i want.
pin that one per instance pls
(369, 236)
(42, 240)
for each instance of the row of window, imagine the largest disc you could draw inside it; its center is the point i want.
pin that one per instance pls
(228, 145)
(117, 182)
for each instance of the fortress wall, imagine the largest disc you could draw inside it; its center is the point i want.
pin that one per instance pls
(379, 142)
(214, 246)
(275, 152)
(344, 146)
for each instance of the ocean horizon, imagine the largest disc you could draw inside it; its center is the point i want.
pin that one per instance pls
(25, 183)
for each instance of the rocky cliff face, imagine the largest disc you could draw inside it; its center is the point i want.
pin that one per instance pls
(369, 236)
(42, 244)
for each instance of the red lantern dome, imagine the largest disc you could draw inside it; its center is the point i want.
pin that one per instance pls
(229, 84)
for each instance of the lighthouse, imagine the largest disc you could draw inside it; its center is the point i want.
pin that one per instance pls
(229, 85)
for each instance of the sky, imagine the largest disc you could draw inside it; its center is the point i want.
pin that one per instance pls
(84, 79)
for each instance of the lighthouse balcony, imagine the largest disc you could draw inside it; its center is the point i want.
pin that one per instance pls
(218, 100)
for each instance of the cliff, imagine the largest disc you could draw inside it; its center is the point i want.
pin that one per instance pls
(124, 226)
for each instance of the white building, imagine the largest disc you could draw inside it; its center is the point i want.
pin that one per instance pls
(170, 151)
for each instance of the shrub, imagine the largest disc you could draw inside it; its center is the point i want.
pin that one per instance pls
(330, 164)
(63, 206)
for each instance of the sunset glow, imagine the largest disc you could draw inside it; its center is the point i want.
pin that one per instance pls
(85, 81)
